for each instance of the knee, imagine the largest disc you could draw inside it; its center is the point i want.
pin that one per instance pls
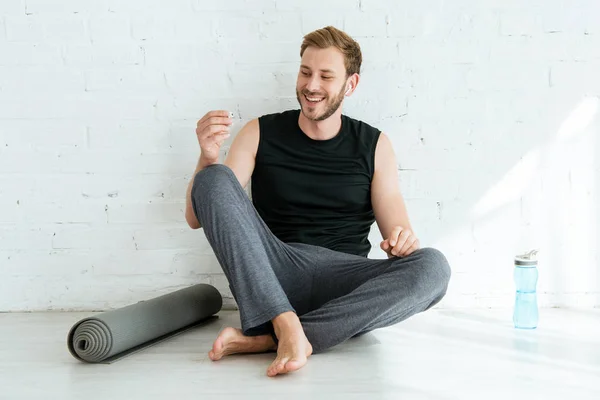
(437, 269)
(432, 271)
(211, 178)
(213, 174)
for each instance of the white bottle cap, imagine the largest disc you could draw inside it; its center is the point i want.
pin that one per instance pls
(528, 258)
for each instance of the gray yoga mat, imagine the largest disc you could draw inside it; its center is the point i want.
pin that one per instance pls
(112, 335)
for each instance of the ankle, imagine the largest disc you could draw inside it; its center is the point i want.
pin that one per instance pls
(265, 342)
(285, 316)
(285, 321)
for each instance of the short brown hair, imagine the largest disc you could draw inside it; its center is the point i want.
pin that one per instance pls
(330, 36)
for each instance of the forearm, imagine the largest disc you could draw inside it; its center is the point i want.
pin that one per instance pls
(392, 212)
(190, 216)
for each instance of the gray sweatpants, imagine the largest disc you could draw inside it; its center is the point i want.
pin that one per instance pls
(335, 295)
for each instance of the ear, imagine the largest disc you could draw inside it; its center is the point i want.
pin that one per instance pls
(352, 83)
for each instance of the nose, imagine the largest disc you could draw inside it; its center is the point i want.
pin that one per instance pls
(313, 84)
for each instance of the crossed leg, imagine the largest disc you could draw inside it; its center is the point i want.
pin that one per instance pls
(297, 298)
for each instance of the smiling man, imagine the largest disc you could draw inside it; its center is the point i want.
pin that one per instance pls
(296, 255)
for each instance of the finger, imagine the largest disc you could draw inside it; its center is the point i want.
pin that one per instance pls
(409, 239)
(213, 114)
(219, 121)
(404, 235)
(217, 113)
(409, 243)
(412, 248)
(207, 137)
(205, 131)
(385, 244)
(214, 130)
(218, 139)
(394, 235)
(221, 138)
(214, 121)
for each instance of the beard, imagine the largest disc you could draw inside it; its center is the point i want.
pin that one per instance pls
(331, 105)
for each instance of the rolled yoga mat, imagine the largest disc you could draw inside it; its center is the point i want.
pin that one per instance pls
(111, 335)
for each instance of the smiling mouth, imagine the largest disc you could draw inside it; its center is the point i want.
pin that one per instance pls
(314, 100)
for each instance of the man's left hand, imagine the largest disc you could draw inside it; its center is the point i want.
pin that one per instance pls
(401, 243)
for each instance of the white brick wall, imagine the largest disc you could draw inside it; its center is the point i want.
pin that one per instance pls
(493, 108)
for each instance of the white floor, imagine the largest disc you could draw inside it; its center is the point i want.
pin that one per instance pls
(439, 354)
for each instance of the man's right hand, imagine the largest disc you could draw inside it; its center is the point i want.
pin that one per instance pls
(212, 130)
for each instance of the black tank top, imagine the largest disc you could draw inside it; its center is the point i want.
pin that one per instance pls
(316, 191)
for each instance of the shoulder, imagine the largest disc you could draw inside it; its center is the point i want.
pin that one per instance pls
(384, 152)
(247, 138)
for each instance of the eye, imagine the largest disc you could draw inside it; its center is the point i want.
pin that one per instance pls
(304, 73)
(326, 77)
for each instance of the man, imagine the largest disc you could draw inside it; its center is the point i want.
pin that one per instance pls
(295, 257)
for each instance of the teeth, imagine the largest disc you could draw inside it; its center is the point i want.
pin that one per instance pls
(314, 99)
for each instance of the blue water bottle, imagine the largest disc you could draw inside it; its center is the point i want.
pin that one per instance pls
(526, 275)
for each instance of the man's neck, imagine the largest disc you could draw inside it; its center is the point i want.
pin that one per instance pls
(321, 130)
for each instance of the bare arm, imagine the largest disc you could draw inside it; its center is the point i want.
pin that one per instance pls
(388, 203)
(240, 158)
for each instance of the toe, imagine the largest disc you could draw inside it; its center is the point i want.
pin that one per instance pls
(216, 355)
(271, 368)
(280, 367)
(293, 365)
(275, 367)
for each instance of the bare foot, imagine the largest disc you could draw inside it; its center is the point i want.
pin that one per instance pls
(293, 349)
(233, 341)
